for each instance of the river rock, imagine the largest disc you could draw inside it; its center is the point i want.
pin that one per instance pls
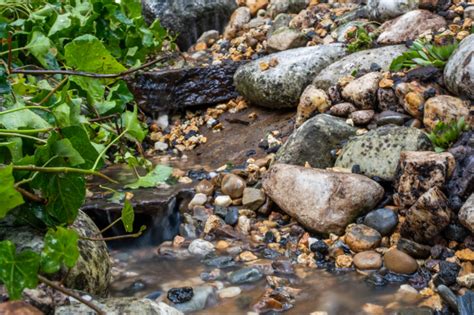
(282, 85)
(205, 187)
(445, 108)
(409, 26)
(286, 6)
(427, 217)
(233, 185)
(367, 260)
(314, 141)
(377, 152)
(189, 18)
(361, 61)
(229, 292)
(399, 262)
(200, 247)
(245, 275)
(199, 199)
(223, 201)
(285, 38)
(413, 249)
(459, 71)
(466, 214)
(420, 171)
(323, 201)
(178, 89)
(342, 109)
(382, 10)
(383, 220)
(120, 305)
(253, 198)
(202, 295)
(238, 19)
(362, 91)
(312, 101)
(360, 237)
(362, 117)
(18, 308)
(180, 295)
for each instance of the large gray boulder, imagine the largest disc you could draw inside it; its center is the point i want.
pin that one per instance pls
(92, 272)
(313, 142)
(377, 153)
(281, 85)
(322, 201)
(359, 61)
(459, 71)
(382, 10)
(189, 18)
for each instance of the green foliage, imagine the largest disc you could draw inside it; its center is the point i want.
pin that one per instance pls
(444, 135)
(158, 176)
(360, 39)
(60, 248)
(128, 216)
(423, 54)
(10, 197)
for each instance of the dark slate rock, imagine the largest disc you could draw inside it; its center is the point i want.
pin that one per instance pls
(383, 220)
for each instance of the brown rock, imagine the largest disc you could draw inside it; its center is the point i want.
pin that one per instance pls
(213, 223)
(233, 185)
(412, 104)
(420, 171)
(253, 198)
(363, 91)
(342, 109)
(444, 108)
(255, 5)
(18, 308)
(312, 101)
(344, 261)
(368, 260)
(238, 19)
(323, 201)
(399, 262)
(465, 255)
(205, 187)
(362, 117)
(360, 237)
(427, 217)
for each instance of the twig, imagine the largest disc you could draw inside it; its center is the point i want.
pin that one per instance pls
(53, 91)
(65, 170)
(90, 74)
(29, 195)
(101, 154)
(71, 294)
(103, 118)
(109, 226)
(112, 238)
(9, 52)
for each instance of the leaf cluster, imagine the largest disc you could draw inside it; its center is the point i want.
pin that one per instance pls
(422, 53)
(445, 134)
(360, 38)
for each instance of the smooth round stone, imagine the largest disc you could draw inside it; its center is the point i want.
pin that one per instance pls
(383, 220)
(233, 185)
(229, 292)
(232, 216)
(368, 260)
(198, 200)
(245, 275)
(205, 187)
(390, 117)
(180, 295)
(200, 247)
(222, 201)
(360, 237)
(399, 262)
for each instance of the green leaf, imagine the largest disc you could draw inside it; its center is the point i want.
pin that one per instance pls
(41, 47)
(14, 147)
(63, 148)
(81, 142)
(11, 198)
(60, 247)
(62, 22)
(132, 125)
(18, 272)
(23, 119)
(4, 84)
(128, 216)
(158, 176)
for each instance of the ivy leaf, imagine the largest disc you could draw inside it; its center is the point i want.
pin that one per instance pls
(60, 247)
(158, 176)
(63, 148)
(62, 22)
(41, 47)
(132, 125)
(4, 84)
(11, 198)
(128, 216)
(18, 272)
(23, 119)
(81, 142)
(15, 147)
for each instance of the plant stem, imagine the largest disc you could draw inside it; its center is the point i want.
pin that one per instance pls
(110, 225)
(107, 148)
(53, 91)
(12, 50)
(30, 195)
(24, 108)
(26, 131)
(113, 238)
(7, 134)
(66, 170)
(71, 294)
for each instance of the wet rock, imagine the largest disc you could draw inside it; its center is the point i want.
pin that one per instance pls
(120, 305)
(444, 108)
(420, 171)
(390, 117)
(199, 199)
(382, 10)
(378, 152)
(362, 91)
(243, 224)
(448, 272)
(238, 19)
(178, 89)
(205, 187)
(361, 61)
(229, 292)
(413, 249)
(219, 262)
(331, 200)
(180, 295)
(409, 26)
(461, 185)
(427, 217)
(253, 198)
(233, 185)
(466, 281)
(383, 220)
(399, 262)
(368, 260)
(283, 267)
(319, 247)
(459, 71)
(342, 109)
(202, 296)
(232, 216)
(455, 232)
(189, 19)
(312, 101)
(282, 85)
(466, 214)
(360, 237)
(200, 247)
(245, 275)
(213, 223)
(466, 303)
(362, 117)
(314, 141)
(285, 38)
(223, 201)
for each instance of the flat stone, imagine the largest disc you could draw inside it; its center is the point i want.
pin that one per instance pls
(459, 71)
(282, 85)
(285, 38)
(323, 201)
(399, 262)
(253, 198)
(383, 220)
(368, 260)
(377, 153)
(360, 237)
